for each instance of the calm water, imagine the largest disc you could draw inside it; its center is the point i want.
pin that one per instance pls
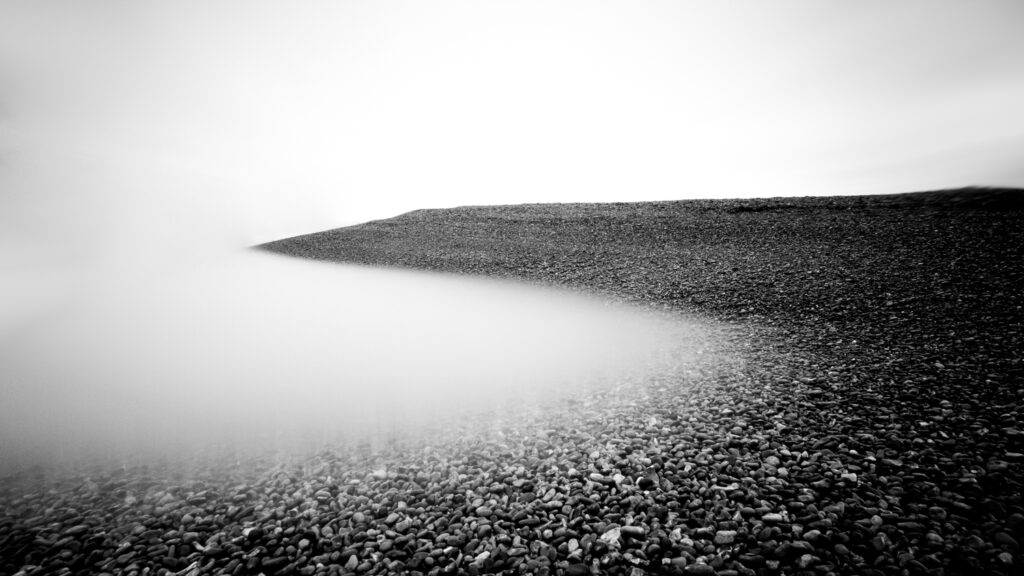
(254, 350)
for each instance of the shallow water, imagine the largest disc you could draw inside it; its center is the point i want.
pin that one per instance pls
(254, 351)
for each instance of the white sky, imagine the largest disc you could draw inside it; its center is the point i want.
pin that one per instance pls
(242, 122)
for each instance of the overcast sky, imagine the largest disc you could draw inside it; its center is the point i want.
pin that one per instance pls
(242, 122)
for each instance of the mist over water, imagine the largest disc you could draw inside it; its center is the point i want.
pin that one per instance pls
(132, 326)
(248, 352)
(139, 139)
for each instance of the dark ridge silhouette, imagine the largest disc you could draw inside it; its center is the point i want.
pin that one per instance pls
(995, 198)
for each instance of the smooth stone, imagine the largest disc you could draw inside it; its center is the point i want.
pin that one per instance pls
(801, 546)
(998, 466)
(649, 481)
(725, 537)
(752, 560)
(1004, 539)
(636, 532)
(699, 570)
(576, 569)
(806, 560)
(76, 530)
(274, 564)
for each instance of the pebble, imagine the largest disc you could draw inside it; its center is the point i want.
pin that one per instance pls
(725, 537)
(76, 530)
(635, 532)
(649, 481)
(1004, 540)
(806, 560)
(577, 569)
(612, 538)
(274, 564)
(699, 569)
(997, 466)
(936, 513)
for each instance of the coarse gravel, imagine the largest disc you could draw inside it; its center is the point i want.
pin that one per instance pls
(859, 414)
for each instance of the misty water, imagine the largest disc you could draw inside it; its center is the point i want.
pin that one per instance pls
(251, 352)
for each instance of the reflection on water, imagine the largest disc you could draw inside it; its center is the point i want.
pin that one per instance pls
(254, 351)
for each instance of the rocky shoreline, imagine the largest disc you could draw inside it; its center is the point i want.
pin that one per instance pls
(859, 415)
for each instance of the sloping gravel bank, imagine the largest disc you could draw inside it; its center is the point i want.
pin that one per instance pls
(861, 414)
(891, 329)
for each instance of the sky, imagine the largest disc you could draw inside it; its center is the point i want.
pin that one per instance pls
(192, 124)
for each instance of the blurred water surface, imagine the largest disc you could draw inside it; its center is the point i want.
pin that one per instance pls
(250, 350)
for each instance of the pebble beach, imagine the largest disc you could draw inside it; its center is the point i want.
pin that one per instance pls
(855, 409)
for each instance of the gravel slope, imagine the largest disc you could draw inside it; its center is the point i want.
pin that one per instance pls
(860, 416)
(895, 320)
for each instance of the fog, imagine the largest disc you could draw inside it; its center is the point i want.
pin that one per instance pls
(135, 324)
(143, 145)
(251, 352)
